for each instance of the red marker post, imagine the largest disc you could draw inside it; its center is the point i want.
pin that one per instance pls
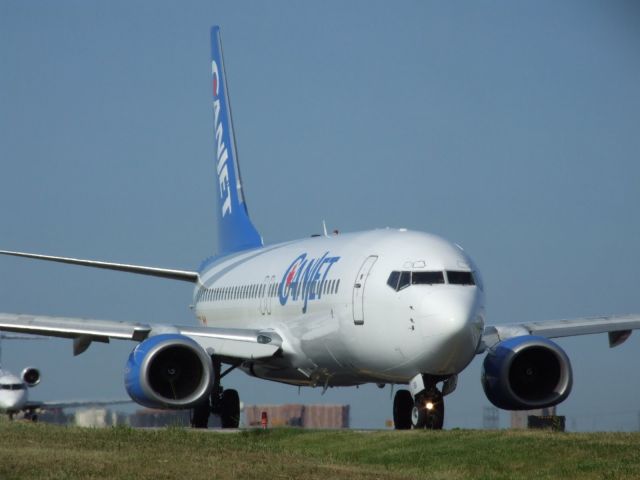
(264, 420)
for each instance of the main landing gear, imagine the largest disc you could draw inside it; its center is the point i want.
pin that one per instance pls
(225, 403)
(423, 410)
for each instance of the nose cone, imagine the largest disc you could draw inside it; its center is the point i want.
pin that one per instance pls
(12, 399)
(451, 322)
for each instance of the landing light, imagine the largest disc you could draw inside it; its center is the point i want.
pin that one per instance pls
(429, 405)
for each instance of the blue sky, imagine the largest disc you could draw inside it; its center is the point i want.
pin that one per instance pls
(511, 128)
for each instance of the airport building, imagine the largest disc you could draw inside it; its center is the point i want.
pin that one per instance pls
(298, 415)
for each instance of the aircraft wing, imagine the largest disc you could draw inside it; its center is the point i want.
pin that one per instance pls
(35, 405)
(619, 328)
(231, 343)
(184, 275)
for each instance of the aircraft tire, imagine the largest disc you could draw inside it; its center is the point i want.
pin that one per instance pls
(432, 419)
(402, 405)
(230, 409)
(200, 415)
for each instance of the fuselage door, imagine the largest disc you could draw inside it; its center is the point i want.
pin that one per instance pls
(358, 289)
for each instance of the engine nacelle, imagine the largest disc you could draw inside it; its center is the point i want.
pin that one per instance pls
(30, 376)
(168, 371)
(527, 372)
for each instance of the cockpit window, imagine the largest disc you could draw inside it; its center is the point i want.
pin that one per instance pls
(460, 278)
(399, 280)
(426, 278)
(405, 280)
(12, 386)
(393, 279)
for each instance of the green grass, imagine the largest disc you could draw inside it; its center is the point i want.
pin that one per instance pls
(46, 451)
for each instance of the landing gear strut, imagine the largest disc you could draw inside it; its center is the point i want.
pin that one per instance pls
(225, 403)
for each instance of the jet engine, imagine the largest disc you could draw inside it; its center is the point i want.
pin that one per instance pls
(31, 376)
(526, 372)
(168, 371)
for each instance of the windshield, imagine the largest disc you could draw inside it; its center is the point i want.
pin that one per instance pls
(402, 279)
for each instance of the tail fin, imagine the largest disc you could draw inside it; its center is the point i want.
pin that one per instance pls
(235, 230)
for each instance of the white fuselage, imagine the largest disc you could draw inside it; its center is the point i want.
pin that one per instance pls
(13, 393)
(341, 323)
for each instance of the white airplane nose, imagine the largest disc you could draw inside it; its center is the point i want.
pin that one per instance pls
(450, 311)
(12, 400)
(451, 322)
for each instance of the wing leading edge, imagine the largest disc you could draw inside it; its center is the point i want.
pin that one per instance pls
(619, 327)
(184, 275)
(240, 344)
(37, 405)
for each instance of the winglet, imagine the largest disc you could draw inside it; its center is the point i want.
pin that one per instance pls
(235, 230)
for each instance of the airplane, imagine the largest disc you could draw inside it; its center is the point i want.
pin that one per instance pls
(386, 306)
(14, 392)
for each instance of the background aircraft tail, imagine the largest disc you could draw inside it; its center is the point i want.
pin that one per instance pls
(235, 230)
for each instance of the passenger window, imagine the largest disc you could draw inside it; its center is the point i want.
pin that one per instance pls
(337, 285)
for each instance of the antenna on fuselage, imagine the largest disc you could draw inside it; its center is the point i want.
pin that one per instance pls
(324, 228)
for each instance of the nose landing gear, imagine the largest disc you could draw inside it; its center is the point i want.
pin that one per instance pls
(428, 410)
(402, 406)
(422, 406)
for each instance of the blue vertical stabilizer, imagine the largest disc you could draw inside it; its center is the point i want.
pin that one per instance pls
(235, 230)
